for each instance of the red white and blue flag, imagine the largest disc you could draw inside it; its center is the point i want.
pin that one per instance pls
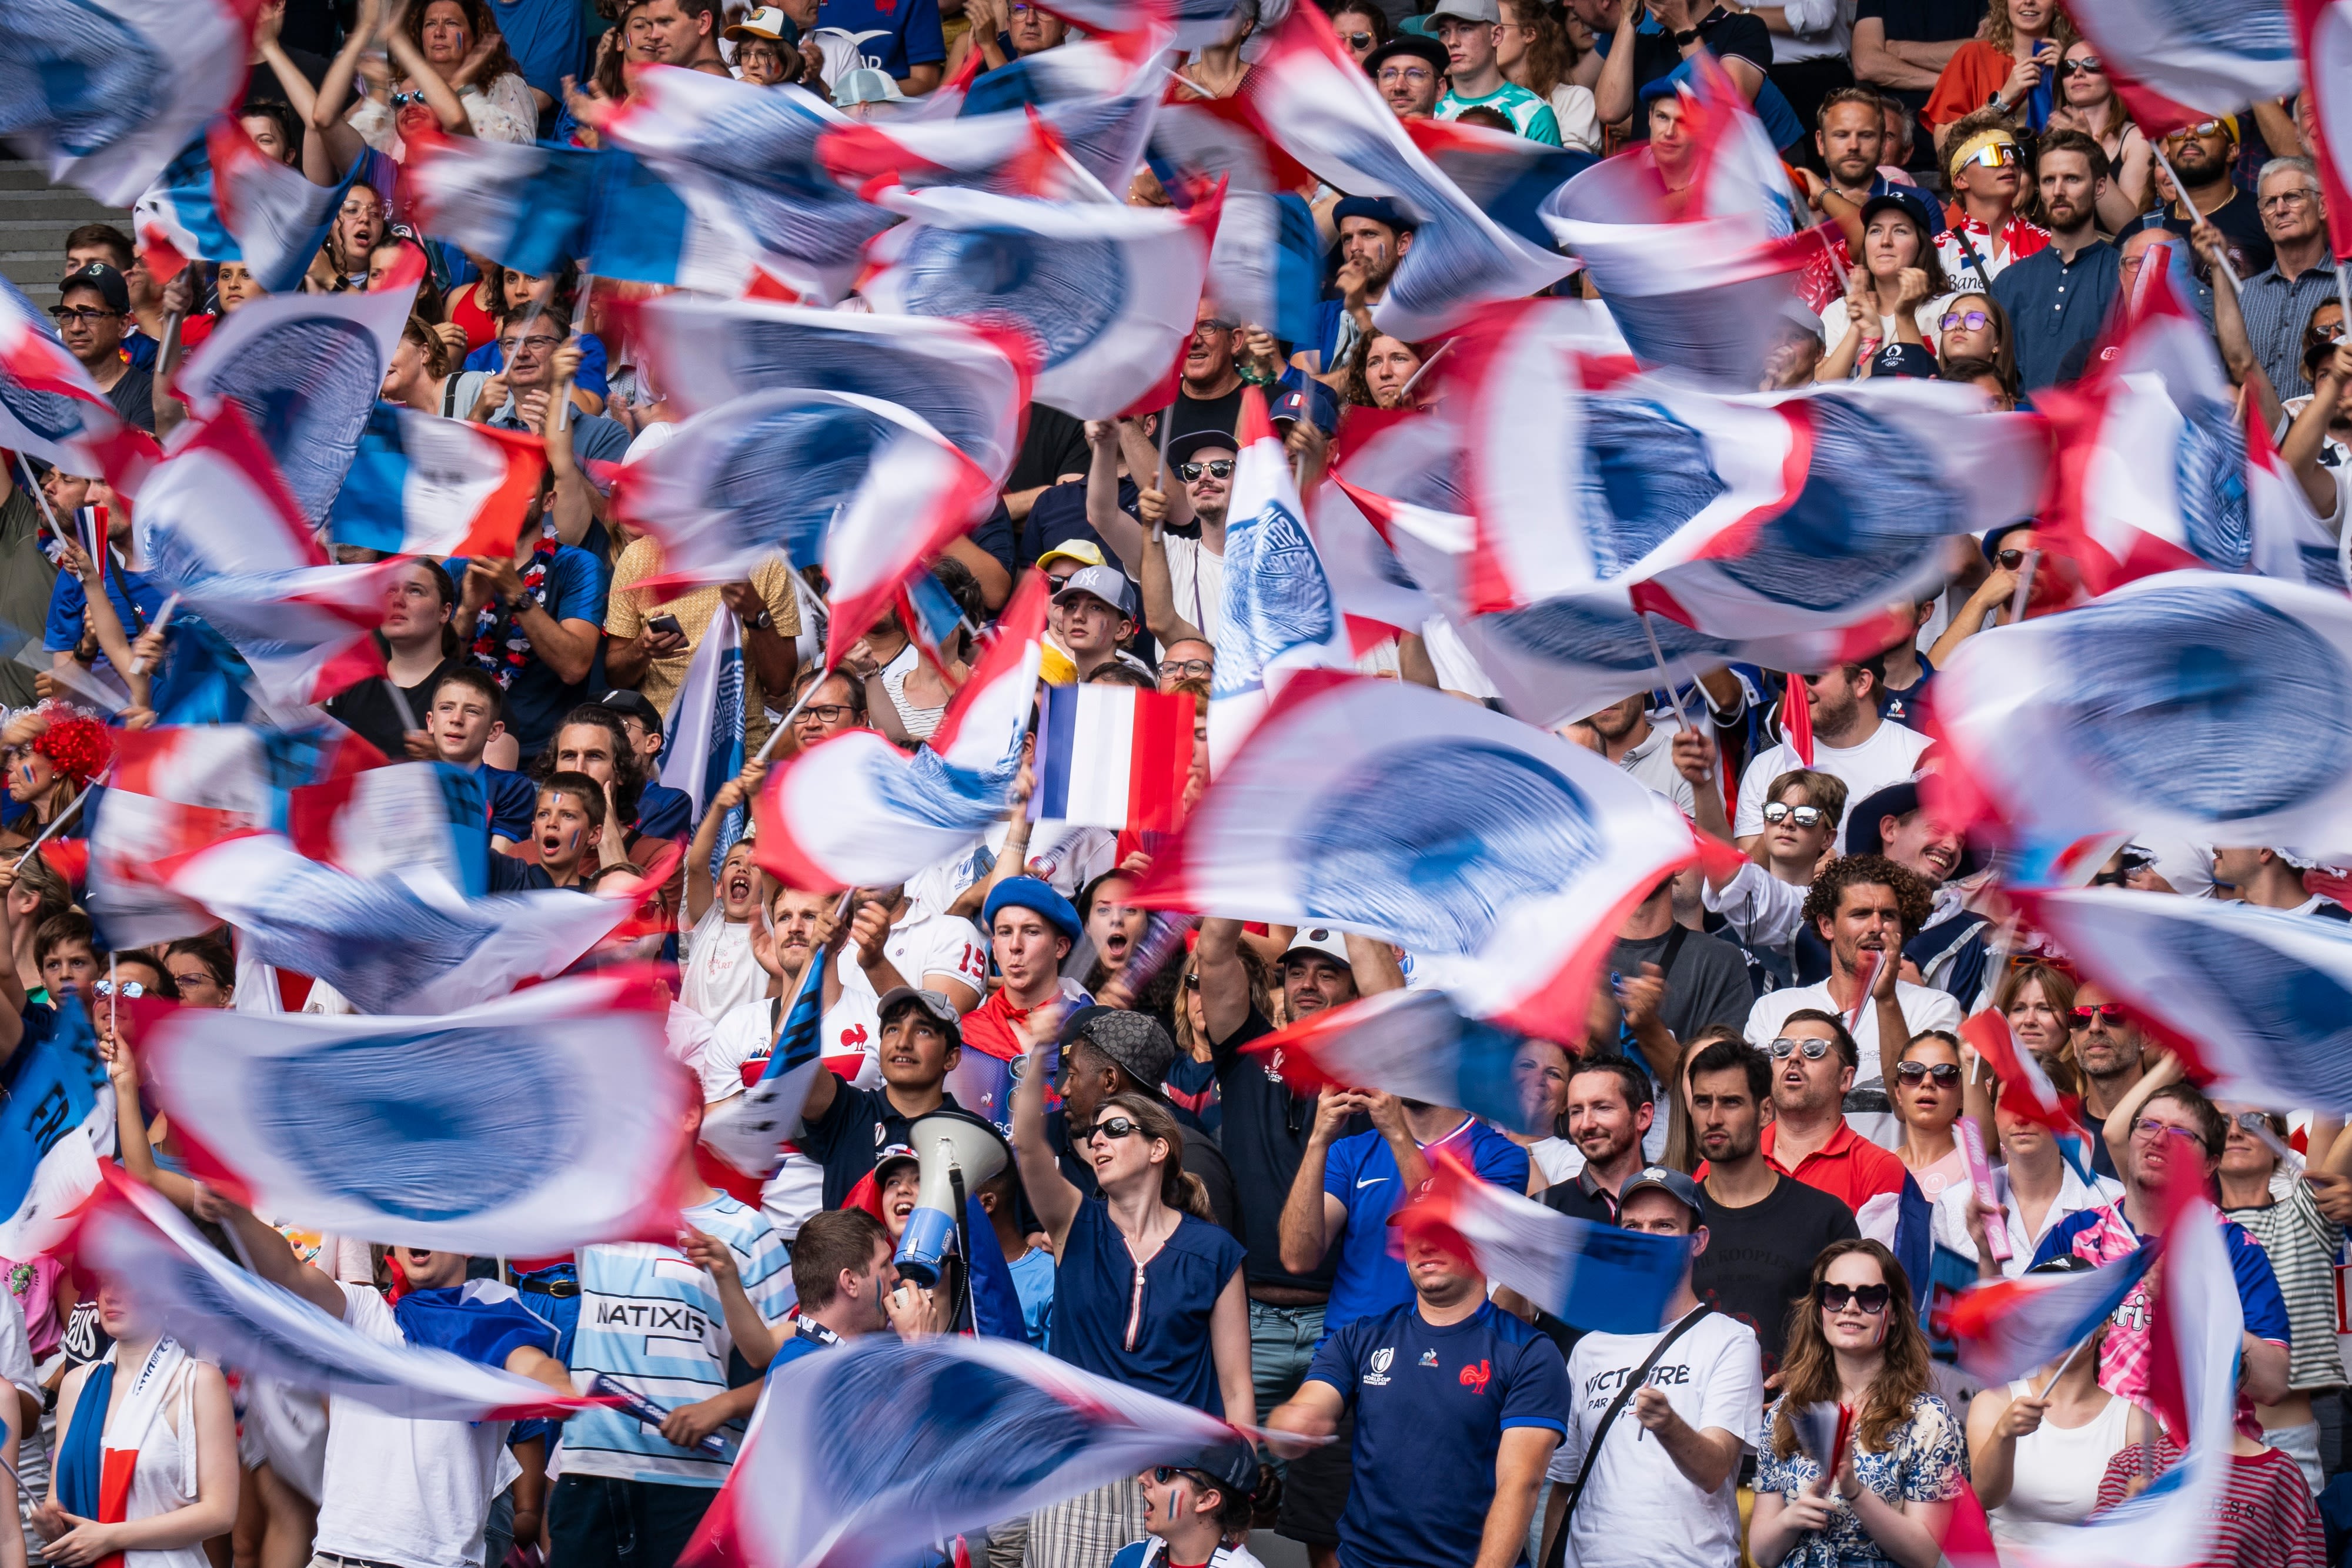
(59, 1117)
(1416, 1045)
(920, 496)
(104, 93)
(418, 821)
(2176, 62)
(1112, 757)
(305, 369)
(1314, 101)
(2195, 703)
(521, 1128)
(1105, 295)
(1267, 266)
(1377, 596)
(224, 198)
(854, 811)
(2259, 1001)
(749, 1134)
(1445, 828)
(51, 409)
(174, 789)
(744, 160)
(970, 384)
(1278, 615)
(923, 1431)
(1589, 1275)
(2007, 1328)
(702, 744)
(2025, 1089)
(136, 1239)
(422, 484)
(2324, 32)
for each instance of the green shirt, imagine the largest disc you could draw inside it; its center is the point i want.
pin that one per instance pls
(27, 577)
(1531, 114)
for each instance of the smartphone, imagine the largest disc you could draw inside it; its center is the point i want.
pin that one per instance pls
(666, 626)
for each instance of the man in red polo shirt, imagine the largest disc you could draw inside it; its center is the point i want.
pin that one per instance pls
(1031, 930)
(1813, 1063)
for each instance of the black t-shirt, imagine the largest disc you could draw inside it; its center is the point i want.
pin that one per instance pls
(1578, 1200)
(1760, 1259)
(1054, 446)
(1265, 1129)
(1202, 1158)
(1059, 518)
(995, 535)
(366, 710)
(133, 397)
(1219, 414)
(1923, 21)
(1706, 983)
(2239, 222)
(858, 1126)
(1725, 36)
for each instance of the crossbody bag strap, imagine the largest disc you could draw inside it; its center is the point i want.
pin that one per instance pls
(1558, 1556)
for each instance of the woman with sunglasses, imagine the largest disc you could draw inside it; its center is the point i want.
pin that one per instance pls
(1854, 1339)
(1928, 1100)
(1147, 1291)
(2010, 68)
(1362, 27)
(2089, 105)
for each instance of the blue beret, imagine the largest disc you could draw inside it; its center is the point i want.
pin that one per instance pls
(1028, 892)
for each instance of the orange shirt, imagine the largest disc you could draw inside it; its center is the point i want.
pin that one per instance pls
(1849, 1168)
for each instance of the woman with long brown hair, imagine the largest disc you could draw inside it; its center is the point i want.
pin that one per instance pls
(1855, 1340)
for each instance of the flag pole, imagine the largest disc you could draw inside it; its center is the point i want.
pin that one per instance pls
(2195, 216)
(163, 619)
(1657, 654)
(2063, 1366)
(786, 722)
(1403, 391)
(42, 496)
(2024, 587)
(46, 833)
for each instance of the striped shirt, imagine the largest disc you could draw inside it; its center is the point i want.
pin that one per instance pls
(653, 1322)
(2266, 1520)
(2276, 311)
(2301, 1244)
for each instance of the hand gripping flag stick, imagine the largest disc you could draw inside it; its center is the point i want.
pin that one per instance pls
(63, 817)
(2194, 215)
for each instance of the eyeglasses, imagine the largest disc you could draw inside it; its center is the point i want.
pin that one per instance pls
(1868, 1299)
(1414, 74)
(537, 341)
(827, 713)
(1356, 41)
(128, 988)
(1111, 1127)
(81, 313)
(2147, 1128)
(2088, 65)
(1974, 320)
(2043, 960)
(1994, 155)
(1184, 669)
(1945, 1074)
(1215, 468)
(1803, 816)
(1192, 982)
(2202, 128)
(1811, 1050)
(193, 979)
(2113, 1012)
(403, 100)
(2011, 559)
(2284, 200)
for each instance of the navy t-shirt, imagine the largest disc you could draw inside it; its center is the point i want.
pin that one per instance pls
(1431, 1405)
(664, 812)
(512, 800)
(1362, 1173)
(912, 26)
(1160, 1344)
(537, 699)
(68, 598)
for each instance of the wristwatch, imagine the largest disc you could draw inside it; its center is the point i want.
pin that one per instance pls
(762, 622)
(1686, 38)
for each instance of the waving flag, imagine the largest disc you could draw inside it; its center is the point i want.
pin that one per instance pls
(1376, 597)
(104, 93)
(418, 821)
(1420, 820)
(60, 1119)
(524, 1126)
(702, 746)
(375, 939)
(1413, 1044)
(2150, 467)
(926, 1429)
(224, 198)
(2196, 703)
(2285, 1036)
(1589, 1275)
(921, 497)
(1197, 21)
(749, 1134)
(1104, 294)
(743, 158)
(305, 634)
(766, 475)
(421, 484)
(1505, 175)
(1267, 266)
(1278, 615)
(970, 384)
(1112, 757)
(50, 409)
(135, 1238)
(173, 790)
(535, 207)
(304, 370)
(2175, 62)
(2323, 31)
(854, 812)
(1320, 107)
(2025, 1089)
(217, 507)
(2006, 1328)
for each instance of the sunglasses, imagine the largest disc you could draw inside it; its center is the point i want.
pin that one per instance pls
(1811, 1050)
(2011, 559)
(1163, 1474)
(1974, 320)
(1216, 468)
(1356, 41)
(2088, 65)
(1994, 155)
(2111, 1011)
(128, 988)
(2045, 960)
(1803, 816)
(2333, 332)
(1192, 982)
(1945, 1074)
(1869, 1300)
(2202, 128)
(1110, 1127)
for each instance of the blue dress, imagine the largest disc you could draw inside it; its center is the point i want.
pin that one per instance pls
(1154, 1337)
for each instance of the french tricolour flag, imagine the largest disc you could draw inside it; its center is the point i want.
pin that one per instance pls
(50, 409)
(2175, 62)
(749, 1134)
(224, 198)
(1589, 1275)
(1414, 1044)
(1112, 757)
(2006, 1328)
(704, 746)
(2323, 31)
(422, 484)
(920, 496)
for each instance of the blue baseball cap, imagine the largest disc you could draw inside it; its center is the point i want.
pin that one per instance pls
(1378, 209)
(1314, 402)
(1028, 892)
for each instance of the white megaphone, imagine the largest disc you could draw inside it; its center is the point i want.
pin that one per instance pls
(946, 1147)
